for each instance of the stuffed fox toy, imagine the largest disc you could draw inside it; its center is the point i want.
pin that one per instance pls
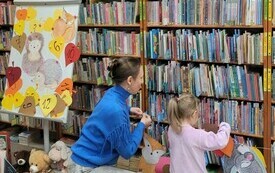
(151, 153)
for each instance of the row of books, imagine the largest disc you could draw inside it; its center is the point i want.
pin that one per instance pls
(220, 81)
(5, 38)
(93, 70)
(4, 59)
(7, 12)
(210, 46)
(169, 78)
(87, 96)
(26, 121)
(205, 12)
(244, 117)
(110, 42)
(226, 81)
(109, 13)
(75, 122)
(273, 121)
(2, 86)
(160, 133)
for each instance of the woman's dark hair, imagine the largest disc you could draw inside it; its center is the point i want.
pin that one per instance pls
(120, 69)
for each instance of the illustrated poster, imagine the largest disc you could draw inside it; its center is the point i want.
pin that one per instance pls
(43, 51)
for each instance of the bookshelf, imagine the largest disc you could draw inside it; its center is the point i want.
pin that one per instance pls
(208, 48)
(107, 30)
(98, 26)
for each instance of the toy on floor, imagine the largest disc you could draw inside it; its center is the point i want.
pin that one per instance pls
(163, 166)
(244, 159)
(39, 161)
(151, 153)
(60, 155)
(22, 161)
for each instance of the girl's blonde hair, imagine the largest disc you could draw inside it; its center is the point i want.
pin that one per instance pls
(180, 109)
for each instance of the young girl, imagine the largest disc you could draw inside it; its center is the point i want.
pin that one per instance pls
(188, 144)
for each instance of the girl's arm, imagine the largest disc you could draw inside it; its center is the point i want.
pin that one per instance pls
(211, 141)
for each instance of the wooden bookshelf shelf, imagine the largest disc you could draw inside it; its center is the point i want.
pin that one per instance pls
(80, 109)
(237, 99)
(110, 26)
(109, 56)
(174, 26)
(246, 134)
(91, 83)
(205, 62)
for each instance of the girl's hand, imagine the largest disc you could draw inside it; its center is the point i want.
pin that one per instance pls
(136, 111)
(210, 127)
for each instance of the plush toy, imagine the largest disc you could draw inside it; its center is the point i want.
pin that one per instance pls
(60, 155)
(244, 159)
(151, 153)
(39, 161)
(22, 161)
(163, 166)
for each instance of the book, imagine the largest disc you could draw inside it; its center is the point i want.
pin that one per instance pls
(227, 150)
(8, 168)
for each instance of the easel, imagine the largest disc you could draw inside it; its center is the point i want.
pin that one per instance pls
(37, 3)
(45, 129)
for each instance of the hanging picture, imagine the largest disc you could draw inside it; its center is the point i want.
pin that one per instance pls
(43, 51)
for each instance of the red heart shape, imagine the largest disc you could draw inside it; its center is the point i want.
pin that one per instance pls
(13, 74)
(72, 53)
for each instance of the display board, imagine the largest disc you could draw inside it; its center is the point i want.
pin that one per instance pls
(43, 50)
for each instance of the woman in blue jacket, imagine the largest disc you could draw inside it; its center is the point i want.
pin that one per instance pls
(106, 134)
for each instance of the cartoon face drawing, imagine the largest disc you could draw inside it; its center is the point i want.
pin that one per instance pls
(243, 160)
(152, 153)
(35, 45)
(33, 58)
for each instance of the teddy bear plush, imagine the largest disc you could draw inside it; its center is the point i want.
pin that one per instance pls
(39, 161)
(22, 161)
(60, 155)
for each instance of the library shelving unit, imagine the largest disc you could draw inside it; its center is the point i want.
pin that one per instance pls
(270, 22)
(6, 21)
(107, 30)
(218, 51)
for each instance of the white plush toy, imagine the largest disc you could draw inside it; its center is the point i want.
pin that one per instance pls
(60, 155)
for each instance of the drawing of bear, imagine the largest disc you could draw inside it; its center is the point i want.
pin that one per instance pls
(49, 74)
(33, 58)
(243, 160)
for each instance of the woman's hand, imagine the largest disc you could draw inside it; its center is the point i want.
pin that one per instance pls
(136, 111)
(146, 119)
